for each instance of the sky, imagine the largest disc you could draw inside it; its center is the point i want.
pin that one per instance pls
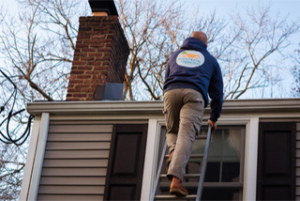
(227, 6)
(223, 7)
(289, 8)
(279, 8)
(283, 8)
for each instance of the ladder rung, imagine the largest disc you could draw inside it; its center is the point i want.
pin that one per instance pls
(185, 175)
(190, 183)
(197, 155)
(185, 184)
(192, 156)
(173, 197)
(201, 137)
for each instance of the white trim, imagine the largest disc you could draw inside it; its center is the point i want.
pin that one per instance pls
(39, 157)
(250, 164)
(110, 117)
(30, 159)
(117, 108)
(151, 158)
(250, 154)
(232, 121)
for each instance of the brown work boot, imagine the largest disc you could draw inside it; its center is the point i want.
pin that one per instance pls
(176, 188)
(169, 161)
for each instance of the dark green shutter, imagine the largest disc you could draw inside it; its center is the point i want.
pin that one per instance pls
(126, 162)
(276, 161)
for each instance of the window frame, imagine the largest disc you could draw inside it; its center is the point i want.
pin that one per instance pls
(251, 125)
(237, 184)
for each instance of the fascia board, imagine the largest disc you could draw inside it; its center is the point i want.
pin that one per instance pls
(156, 107)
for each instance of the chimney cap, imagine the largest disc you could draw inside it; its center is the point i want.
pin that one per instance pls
(103, 6)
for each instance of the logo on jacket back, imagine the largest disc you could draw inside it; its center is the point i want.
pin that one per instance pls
(190, 58)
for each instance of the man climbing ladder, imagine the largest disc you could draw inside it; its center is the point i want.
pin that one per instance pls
(191, 74)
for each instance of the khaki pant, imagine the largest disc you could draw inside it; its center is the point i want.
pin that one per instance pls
(183, 109)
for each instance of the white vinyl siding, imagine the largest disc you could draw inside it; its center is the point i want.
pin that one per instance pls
(75, 161)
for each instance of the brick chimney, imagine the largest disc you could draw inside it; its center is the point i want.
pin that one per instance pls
(100, 57)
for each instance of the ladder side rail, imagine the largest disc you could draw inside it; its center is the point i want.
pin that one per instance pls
(159, 170)
(203, 165)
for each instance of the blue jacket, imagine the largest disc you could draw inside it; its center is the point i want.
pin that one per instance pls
(193, 67)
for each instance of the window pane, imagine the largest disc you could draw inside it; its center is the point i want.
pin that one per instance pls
(224, 160)
(221, 194)
(224, 165)
(230, 172)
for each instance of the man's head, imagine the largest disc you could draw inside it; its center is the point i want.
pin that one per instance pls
(200, 35)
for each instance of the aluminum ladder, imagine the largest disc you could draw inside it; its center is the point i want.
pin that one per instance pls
(201, 176)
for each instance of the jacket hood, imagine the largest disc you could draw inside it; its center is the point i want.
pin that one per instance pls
(192, 43)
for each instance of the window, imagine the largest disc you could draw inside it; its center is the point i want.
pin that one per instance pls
(224, 172)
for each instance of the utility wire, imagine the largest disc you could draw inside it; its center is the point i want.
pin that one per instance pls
(8, 139)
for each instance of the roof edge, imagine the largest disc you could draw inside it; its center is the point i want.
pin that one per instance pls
(155, 107)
